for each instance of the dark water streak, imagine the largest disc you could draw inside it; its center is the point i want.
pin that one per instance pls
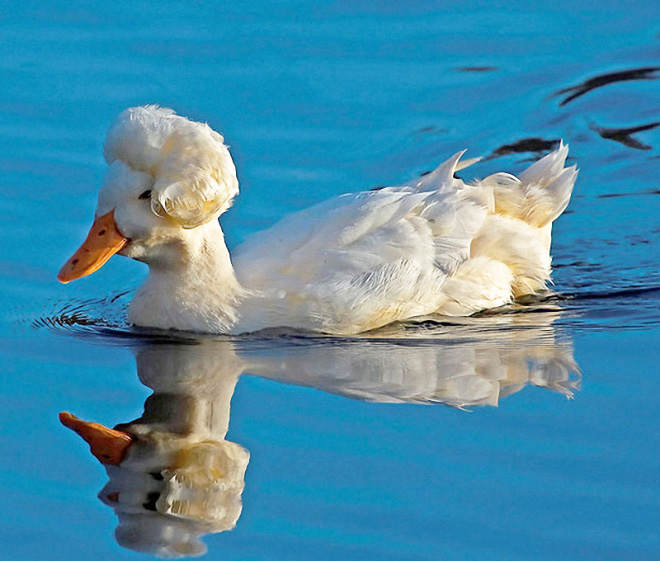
(624, 135)
(535, 145)
(602, 80)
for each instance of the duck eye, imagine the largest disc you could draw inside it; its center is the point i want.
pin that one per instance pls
(145, 195)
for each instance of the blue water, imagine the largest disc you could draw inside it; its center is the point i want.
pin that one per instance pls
(530, 434)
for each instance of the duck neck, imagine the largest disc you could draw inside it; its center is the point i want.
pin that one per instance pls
(194, 288)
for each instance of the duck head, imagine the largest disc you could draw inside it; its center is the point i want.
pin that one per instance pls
(166, 177)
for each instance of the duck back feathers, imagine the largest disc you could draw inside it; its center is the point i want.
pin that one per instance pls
(434, 245)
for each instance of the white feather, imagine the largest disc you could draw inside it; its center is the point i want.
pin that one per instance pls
(351, 264)
(195, 178)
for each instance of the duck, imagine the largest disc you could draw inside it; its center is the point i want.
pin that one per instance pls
(435, 246)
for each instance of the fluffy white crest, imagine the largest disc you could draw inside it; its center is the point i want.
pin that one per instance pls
(195, 177)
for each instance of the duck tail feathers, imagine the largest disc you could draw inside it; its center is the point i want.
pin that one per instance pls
(540, 194)
(443, 175)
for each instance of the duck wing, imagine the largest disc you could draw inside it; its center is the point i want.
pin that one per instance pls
(362, 260)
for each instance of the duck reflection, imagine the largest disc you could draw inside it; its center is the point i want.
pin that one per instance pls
(173, 476)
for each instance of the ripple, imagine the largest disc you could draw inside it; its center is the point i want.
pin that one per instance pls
(634, 194)
(96, 318)
(105, 319)
(602, 80)
(626, 293)
(534, 145)
(627, 309)
(625, 135)
(478, 69)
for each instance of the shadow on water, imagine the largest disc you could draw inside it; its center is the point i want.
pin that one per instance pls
(173, 477)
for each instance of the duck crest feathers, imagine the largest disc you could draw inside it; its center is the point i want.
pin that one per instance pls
(194, 176)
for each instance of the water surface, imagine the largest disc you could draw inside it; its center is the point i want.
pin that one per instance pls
(526, 434)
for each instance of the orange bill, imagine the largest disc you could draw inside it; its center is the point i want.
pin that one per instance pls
(103, 241)
(109, 446)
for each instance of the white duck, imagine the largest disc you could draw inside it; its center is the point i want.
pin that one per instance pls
(354, 263)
